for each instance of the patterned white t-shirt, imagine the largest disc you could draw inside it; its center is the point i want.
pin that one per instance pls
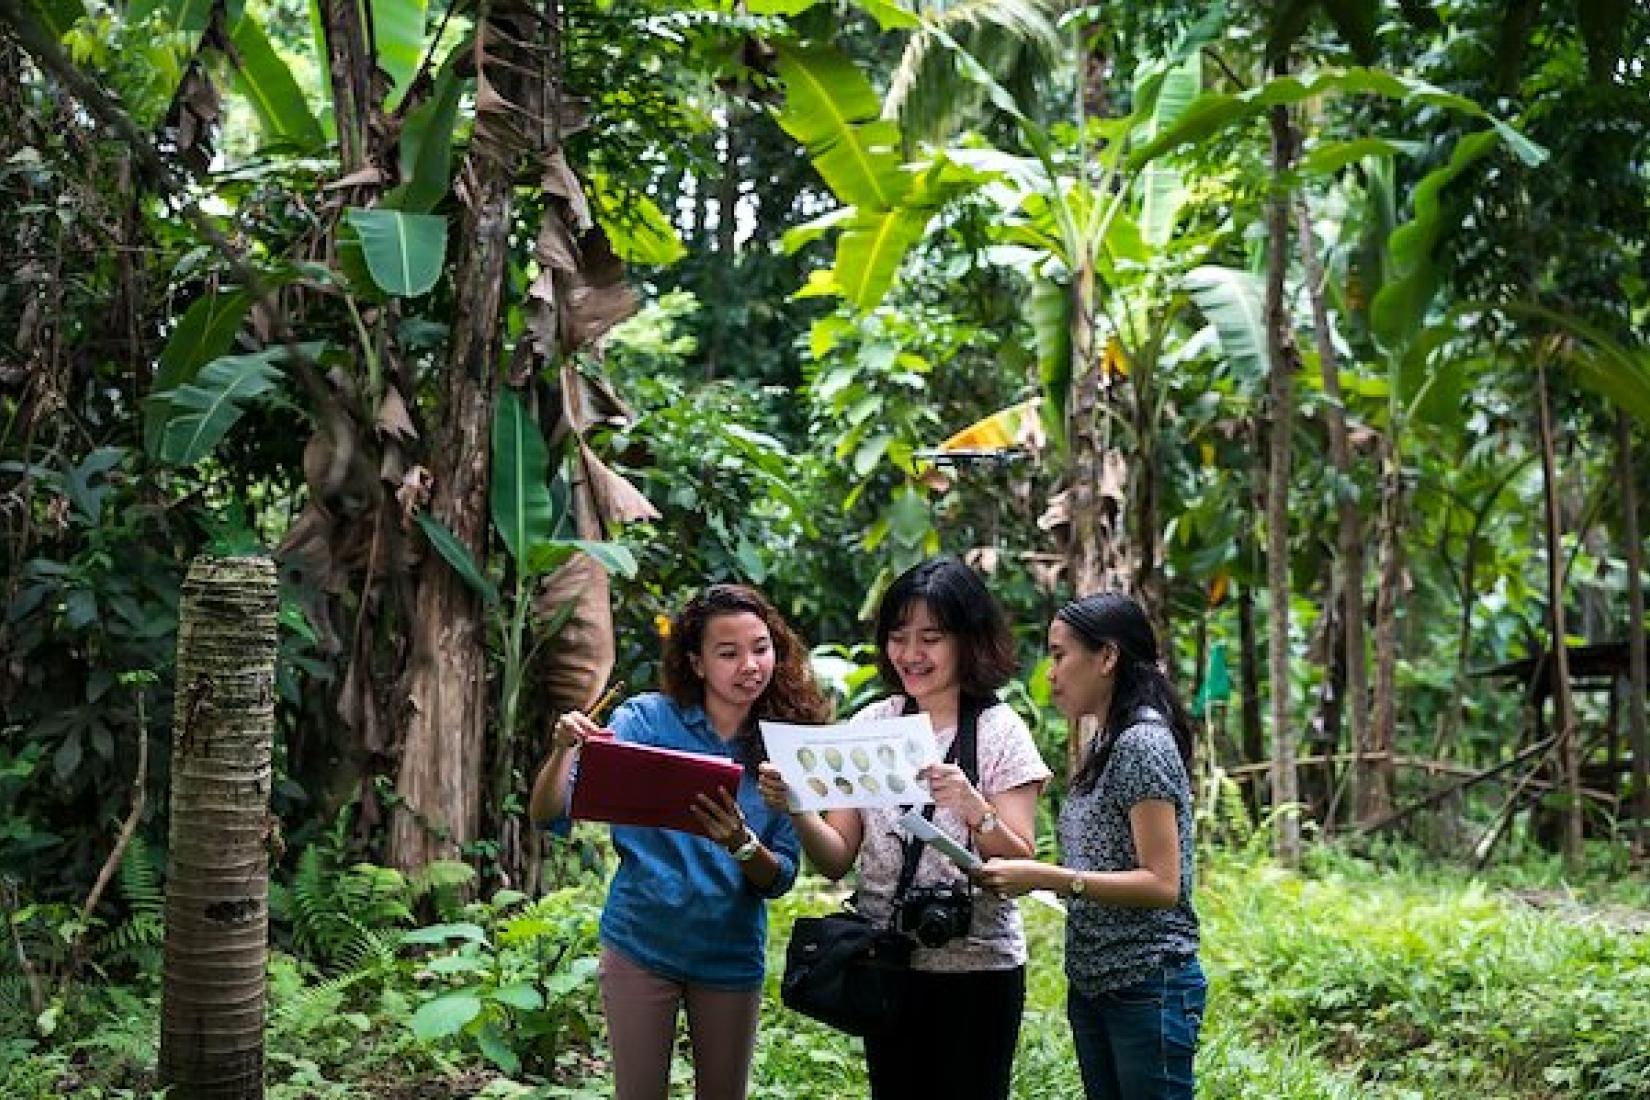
(1008, 758)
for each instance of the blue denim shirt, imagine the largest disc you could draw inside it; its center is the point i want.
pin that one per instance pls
(679, 905)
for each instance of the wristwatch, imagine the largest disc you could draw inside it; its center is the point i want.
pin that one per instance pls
(988, 823)
(746, 851)
(1078, 885)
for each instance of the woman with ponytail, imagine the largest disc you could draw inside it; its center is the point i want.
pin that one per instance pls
(1135, 991)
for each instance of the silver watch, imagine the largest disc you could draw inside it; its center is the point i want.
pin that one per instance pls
(988, 823)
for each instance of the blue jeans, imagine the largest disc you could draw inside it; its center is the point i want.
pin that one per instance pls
(1137, 1043)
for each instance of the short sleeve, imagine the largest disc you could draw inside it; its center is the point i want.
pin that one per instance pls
(1008, 754)
(1146, 767)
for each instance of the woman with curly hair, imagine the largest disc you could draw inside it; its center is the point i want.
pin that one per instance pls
(685, 924)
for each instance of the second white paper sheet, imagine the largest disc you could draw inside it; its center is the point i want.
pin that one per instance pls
(854, 765)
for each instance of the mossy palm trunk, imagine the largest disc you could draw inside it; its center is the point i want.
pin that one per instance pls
(217, 883)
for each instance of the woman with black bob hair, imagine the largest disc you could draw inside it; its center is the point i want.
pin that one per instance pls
(943, 648)
(1135, 991)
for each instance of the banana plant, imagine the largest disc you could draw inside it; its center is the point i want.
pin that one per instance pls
(531, 525)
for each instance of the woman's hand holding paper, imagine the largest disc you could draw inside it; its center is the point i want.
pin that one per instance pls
(952, 791)
(775, 791)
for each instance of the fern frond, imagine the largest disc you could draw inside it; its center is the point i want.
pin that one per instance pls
(140, 879)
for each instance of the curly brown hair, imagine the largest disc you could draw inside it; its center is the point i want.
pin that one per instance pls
(791, 695)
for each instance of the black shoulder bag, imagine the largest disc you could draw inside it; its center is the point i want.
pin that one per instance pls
(848, 971)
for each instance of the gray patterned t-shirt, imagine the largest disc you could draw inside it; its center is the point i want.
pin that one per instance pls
(1109, 946)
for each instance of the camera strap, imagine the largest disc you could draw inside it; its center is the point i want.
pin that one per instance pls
(965, 753)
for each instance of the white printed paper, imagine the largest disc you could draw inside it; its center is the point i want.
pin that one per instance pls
(916, 825)
(854, 765)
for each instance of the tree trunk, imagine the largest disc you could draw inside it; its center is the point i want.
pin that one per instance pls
(1150, 581)
(443, 748)
(1350, 536)
(1284, 359)
(217, 877)
(1637, 736)
(1254, 735)
(1375, 786)
(350, 66)
(1569, 755)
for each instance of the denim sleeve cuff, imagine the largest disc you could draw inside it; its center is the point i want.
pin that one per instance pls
(785, 879)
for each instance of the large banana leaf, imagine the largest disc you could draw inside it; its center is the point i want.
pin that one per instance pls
(522, 510)
(831, 108)
(398, 33)
(869, 252)
(427, 146)
(1216, 111)
(206, 331)
(404, 252)
(202, 412)
(1235, 303)
(1399, 308)
(267, 83)
(1163, 190)
(1050, 316)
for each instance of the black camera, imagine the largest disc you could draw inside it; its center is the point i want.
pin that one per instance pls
(935, 915)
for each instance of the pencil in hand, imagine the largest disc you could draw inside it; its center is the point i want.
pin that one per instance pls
(609, 697)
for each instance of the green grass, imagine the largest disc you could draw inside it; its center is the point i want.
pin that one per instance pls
(1394, 981)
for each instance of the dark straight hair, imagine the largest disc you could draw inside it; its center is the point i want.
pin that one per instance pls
(963, 607)
(1112, 618)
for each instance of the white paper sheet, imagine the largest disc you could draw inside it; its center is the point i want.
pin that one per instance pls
(916, 825)
(854, 765)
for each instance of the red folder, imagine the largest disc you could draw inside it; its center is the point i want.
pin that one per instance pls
(629, 784)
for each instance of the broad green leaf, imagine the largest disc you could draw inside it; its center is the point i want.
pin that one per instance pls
(427, 147)
(1329, 157)
(635, 226)
(497, 1050)
(206, 332)
(398, 34)
(520, 497)
(779, 7)
(831, 108)
(266, 81)
(549, 555)
(445, 1015)
(201, 412)
(1234, 302)
(1049, 311)
(520, 995)
(1399, 307)
(1163, 190)
(869, 252)
(458, 556)
(798, 237)
(404, 252)
(1216, 111)
(444, 933)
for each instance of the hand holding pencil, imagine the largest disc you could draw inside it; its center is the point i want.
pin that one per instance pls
(573, 728)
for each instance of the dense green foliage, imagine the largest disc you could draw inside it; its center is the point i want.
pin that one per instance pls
(756, 262)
